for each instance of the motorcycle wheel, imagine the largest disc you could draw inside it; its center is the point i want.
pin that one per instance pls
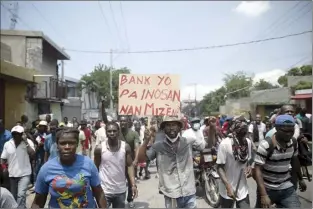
(211, 192)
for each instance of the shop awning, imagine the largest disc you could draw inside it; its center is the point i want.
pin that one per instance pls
(301, 96)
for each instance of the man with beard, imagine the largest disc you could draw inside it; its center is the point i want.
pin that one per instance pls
(132, 139)
(232, 159)
(175, 168)
(274, 156)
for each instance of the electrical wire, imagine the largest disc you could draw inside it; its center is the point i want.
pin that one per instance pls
(287, 69)
(194, 48)
(104, 17)
(6, 8)
(43, 17)
(125, 26)
(115, 23)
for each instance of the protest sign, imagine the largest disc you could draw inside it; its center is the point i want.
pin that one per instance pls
(149, 95)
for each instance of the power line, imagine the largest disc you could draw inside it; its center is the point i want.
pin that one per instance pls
(274, 24)
(294, 20)
(195, 48)
(287, 69)
(16, 16)
(115, 23)
(125, 26)
(43, 17)
(104, 17)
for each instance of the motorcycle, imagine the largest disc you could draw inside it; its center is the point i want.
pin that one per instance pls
(207, 177)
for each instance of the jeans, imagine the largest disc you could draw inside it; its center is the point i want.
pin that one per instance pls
(18, 187)
(228, 203)
(116, 200)
(286, 198)
(181, 202)
(39, 163)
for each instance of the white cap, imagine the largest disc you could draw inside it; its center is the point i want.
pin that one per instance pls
(43, 123)
(18, 129)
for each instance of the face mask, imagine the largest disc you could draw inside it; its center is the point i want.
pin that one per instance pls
(196, 126)
(172, 140)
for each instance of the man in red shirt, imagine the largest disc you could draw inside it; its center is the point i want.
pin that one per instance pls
(87, 146)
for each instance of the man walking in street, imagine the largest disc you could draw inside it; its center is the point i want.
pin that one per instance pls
(16, 153)
(50, 145)
(257, 130)
(87, 146)
(274, 156)
(5, 135)
(132, 139)
(233, 164)
(111, 158)
(40, 151)
(175, 168)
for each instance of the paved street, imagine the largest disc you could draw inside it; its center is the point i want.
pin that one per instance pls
(150, 198)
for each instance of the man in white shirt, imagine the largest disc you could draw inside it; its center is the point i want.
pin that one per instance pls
(194, 132)
(233, 163)
(257, 130)
(16, 153)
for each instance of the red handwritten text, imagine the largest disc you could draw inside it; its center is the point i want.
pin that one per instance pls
(145, 80)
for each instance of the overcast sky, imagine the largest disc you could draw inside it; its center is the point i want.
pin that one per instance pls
(173, 25)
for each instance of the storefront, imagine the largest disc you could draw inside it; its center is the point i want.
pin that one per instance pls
(303, 98)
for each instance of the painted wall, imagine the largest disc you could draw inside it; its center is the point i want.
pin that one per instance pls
(15, 104)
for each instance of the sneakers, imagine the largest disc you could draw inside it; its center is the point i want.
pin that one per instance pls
(131, 204)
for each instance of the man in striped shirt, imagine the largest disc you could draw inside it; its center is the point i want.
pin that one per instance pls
(272, 165)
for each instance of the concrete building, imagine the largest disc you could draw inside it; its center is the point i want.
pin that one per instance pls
(260, 102)
(14, 82)
(34, 50)
(72, 106)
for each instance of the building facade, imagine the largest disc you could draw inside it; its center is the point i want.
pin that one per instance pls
(34, 50)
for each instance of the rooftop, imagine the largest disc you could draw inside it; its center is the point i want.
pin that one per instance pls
(62, 55)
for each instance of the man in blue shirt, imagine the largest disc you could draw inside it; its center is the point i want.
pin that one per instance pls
(50, 145)
(5, 135)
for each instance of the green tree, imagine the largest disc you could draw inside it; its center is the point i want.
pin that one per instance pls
(237, 85)
(99, 81)
(303, 85)
(296, 71)
(263, 85)
(212, 101)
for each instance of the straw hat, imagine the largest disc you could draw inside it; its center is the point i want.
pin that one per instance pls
(171, 119)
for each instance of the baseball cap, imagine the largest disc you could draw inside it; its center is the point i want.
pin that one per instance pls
(43, 123)
(285, 120)
(18, 129)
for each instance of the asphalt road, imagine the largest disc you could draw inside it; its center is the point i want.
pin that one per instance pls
(149, 196)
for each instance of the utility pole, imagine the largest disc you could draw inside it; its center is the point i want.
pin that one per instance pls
(14, 15)
(111, 68)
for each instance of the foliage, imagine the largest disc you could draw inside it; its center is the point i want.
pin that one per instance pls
(296, 71)
(303, 85)
(99, 81)
(236, 81)
(211, 102)
(263, 85)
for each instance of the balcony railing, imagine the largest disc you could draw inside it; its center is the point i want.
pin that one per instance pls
(50, 89)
